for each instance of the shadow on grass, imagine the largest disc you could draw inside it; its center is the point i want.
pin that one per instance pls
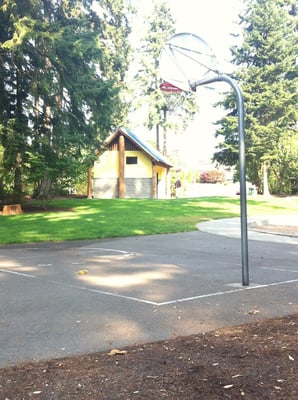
(77, 219)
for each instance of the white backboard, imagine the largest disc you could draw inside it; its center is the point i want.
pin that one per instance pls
(186, 58)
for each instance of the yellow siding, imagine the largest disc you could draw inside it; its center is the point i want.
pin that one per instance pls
(106, 176)
(107, 165)
(143, 169)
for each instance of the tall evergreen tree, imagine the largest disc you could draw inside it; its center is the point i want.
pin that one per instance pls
(161, 26)
(63, 70)
(267, 71)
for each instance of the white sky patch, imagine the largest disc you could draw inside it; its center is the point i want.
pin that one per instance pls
(213, 20)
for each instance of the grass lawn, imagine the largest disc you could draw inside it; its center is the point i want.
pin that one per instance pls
(74, 219)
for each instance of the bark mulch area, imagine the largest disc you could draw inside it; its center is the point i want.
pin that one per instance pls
(254, 361)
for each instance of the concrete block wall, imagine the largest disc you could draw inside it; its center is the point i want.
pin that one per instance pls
(138, 188)
(105, 188)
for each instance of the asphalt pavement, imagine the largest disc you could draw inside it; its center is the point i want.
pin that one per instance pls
(61, 299)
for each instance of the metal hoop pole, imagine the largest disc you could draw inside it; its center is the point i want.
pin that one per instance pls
(242, 168)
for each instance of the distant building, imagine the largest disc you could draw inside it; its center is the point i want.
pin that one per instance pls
(130, 168)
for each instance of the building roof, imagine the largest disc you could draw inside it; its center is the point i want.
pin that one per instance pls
(151, 152)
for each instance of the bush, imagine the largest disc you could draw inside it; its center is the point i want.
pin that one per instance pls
(214, 176)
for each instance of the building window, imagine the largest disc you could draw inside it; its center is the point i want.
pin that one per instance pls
(131, 160)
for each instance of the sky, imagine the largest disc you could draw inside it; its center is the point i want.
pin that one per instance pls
(214, 21)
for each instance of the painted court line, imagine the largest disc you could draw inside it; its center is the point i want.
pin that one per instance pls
(226, 292)
(44, 265)
(91, 249)
(78, 287)
(280, 269)
(19, 273)
(182, 300)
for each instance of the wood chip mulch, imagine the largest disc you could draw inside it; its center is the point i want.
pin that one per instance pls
(257, 361)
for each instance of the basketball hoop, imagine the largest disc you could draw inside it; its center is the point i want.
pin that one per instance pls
(186, 62)
(185, 57)
(169, 88)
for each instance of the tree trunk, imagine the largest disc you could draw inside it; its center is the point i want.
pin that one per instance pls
(157, 137)
(154, 182)
(17, 189)
(265, 180)
(121, 167)
(164, 147)
(89, 183)
(1, 188)
(45, 190)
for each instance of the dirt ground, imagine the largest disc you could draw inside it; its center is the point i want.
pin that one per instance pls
(254, 361)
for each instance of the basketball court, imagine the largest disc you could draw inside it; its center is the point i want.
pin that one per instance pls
(68, 298)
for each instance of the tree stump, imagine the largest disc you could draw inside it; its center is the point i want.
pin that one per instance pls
(12, 209)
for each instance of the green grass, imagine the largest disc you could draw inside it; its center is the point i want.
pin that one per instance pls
(93, 219)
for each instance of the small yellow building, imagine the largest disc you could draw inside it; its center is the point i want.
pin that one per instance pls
(130, 168)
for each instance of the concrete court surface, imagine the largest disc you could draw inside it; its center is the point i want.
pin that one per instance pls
(136, 290)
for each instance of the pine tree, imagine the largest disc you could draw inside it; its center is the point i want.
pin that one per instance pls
(63, 68)
(267, 72)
